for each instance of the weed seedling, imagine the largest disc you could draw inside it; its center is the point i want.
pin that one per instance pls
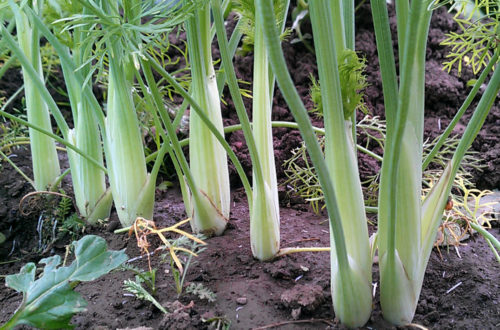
(186, 260)
(148, 278)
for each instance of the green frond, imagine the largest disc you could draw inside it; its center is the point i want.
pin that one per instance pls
(246, 12)
(315, 94)
(479, 36)
(133, 31)
(352, 81)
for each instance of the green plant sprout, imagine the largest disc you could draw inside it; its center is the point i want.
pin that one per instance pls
(218, 322)
(142, 276)
(186, 259)
(49, 302)
(351, 74)
(69, 223)
(202, 292)
(246, 16)
(135, 286)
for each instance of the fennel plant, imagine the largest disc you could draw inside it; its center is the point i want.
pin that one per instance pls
(407, 226)
(84, 146)
(46, 170)
(264, 214)
(209, 207)
(119, 34)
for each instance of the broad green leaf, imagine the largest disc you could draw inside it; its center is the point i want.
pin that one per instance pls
(93, 260)
(51, 263)
(20, 282)
(52, 310)
(49, 302)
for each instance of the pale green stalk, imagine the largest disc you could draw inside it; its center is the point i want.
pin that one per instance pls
(401, 180)
(45, 161)
(92, 197)
(387, 62)
(349, 27)
(131, 185)
(402, 18)
(208, 158)
(408, 227)
(351, 307)
(264, 210)
(353, 291)
(336, 9)
(132, 188)
(264, 218)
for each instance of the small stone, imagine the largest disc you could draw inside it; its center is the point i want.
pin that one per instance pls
(241, 301)
(296, 313)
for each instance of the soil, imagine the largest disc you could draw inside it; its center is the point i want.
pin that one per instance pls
(460, 290)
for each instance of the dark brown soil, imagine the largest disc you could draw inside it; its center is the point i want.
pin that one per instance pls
(292, 291)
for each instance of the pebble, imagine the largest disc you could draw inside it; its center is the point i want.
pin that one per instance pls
(241, 301)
